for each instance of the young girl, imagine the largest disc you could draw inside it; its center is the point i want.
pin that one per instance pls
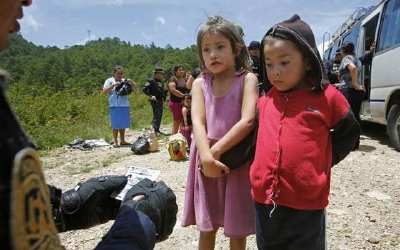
(223, 111)
(186, 125)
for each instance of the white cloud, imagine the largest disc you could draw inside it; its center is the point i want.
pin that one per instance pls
(113, 2)
(86, 39)
(31, 22)
(180, 29)
(146, 37)
(161, 20)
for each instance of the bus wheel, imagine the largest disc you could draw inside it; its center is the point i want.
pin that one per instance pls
(393, 126)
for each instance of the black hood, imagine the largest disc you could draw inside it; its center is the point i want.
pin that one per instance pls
(299, 32)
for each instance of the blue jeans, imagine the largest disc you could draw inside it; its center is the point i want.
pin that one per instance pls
(289, 228)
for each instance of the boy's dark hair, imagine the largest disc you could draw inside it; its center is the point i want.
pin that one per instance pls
(300, 33)
(348, 48)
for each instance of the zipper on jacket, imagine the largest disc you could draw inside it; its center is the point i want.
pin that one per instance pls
(275, 190)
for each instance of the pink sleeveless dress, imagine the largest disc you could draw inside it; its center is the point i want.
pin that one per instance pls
(220, 202)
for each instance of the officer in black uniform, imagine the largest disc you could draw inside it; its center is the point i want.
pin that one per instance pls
(154, 88)
(32, 213)
(254, 51)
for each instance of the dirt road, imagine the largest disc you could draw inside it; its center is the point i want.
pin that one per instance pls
(362, 214)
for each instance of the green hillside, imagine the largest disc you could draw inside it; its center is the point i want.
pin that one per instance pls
(56, 93)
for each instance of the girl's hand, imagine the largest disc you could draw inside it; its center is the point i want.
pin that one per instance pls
(214, 169)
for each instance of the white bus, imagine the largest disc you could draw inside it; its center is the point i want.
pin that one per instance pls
(382, 75)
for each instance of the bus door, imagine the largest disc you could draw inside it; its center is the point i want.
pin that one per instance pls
(368, 38)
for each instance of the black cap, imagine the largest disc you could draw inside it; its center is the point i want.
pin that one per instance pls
(338, 51)
(158, 70)
(254, 44)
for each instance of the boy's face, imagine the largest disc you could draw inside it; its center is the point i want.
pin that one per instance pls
(217, 52)
(10, 11)
(285, 65)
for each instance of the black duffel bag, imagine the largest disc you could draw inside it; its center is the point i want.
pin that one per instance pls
(242, 152)
(124, 88)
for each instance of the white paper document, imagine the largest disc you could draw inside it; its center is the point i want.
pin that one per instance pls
(135, 174)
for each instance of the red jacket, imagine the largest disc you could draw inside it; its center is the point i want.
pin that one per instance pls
(301, 135)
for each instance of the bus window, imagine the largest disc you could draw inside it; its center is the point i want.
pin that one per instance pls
(390, 35)
(353, 35)
(326, 55)
(333, 50)
(370, 28)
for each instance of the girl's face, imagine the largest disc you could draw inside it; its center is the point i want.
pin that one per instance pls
(10, 11)
(187, 102)
(118, 75)
(180, 72)
(217, 53)
(285, 65)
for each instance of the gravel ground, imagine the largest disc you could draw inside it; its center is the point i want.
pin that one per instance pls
(362, 214)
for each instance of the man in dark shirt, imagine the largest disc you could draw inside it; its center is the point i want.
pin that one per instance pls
(254, 51)
(154, 88)
(332, 67)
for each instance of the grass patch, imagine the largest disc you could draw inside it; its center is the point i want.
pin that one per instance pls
(55, 120)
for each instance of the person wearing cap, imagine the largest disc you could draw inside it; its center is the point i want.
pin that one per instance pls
(154, 88)
(332, 67)
(254, 51)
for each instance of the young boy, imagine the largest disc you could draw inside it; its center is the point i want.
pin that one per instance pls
(306, 126)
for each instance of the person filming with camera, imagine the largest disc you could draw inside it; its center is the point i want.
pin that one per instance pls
(118, 90)
(32, 213)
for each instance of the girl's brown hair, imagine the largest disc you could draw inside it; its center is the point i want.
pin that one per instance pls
(218, 24)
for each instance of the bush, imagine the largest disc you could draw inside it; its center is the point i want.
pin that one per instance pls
(53, 120)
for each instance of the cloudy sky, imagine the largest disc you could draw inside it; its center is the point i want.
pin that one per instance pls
(68, 22)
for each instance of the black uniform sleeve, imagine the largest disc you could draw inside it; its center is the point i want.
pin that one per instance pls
(344, 136)
(132, 230)
(147, 87)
